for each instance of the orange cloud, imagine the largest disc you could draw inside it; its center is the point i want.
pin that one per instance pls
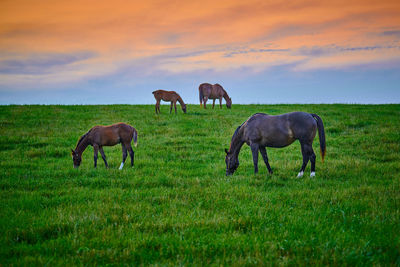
(186, 36)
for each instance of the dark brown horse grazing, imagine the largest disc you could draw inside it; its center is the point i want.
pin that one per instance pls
(168, 96)
(208, 91)
(262, 130)
(100, 136)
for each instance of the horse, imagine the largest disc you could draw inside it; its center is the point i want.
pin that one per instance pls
(208, 91)
(100, 136)
(168, 96)
(262, 130)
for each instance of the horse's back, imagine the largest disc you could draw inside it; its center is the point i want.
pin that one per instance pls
(217, 91)
(165, 95)
(113, 134)
(122, 126)
(204, 85)
(104, 135)
(218, 86)
(301, 119)
(280, 130)
(266, 130)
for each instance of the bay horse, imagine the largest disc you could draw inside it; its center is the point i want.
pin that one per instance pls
(262, 130)
(168, 96)
(100, 136)
(215, 91)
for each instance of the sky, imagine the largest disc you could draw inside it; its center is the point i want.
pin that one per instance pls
(269, 51)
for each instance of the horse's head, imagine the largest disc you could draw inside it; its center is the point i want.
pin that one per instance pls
(232, 162)
(76, 157)
(184, 108)
(229, 103)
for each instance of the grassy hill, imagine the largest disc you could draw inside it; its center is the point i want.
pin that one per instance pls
(176, 206)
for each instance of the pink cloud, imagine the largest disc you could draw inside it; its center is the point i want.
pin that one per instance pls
(184, 36)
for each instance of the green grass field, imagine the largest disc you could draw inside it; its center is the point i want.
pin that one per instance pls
(177, 207)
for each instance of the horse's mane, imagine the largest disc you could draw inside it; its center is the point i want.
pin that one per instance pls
(220, 86)
(83, 137)
(225, 94)
(235, 134)
(254, 115)
(236, 131)
(248, 120)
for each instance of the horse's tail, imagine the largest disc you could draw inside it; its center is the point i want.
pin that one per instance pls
(201, 95)
(321, 134)
(135, 137)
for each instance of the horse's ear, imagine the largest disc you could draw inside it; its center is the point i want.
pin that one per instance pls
(226, 151)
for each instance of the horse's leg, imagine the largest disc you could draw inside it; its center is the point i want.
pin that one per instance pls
(265, 158)
(103, 156)
(158, 107)
(220, 102)
(205, 101)
(312, 160)
(131, 153)
(124, 154)
(175, 107)
(170, 109)
(96, 151)
(306, 151)
(213, 103)
(254, 150)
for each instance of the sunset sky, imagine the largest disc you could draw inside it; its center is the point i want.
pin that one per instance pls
(94, 52)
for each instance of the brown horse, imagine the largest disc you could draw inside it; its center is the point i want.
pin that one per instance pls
(208, 91)
(100, 136)
(168, 96)
(262, 130)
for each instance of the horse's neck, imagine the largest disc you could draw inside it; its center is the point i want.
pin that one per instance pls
(236, 143)
(82, 145)
(237, 148)
(180, 100)
(225, 94)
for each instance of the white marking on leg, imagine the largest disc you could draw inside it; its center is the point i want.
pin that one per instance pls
(300, 174)
(312, 174)
(121, 166)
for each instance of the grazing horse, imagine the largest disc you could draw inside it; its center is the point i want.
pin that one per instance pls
(262, 130)
(208, 91)
(168, 96)
(100, 136)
